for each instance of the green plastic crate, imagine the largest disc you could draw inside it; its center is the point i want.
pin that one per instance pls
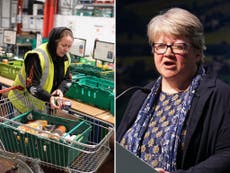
(77, 76)
(11, 69)
(84, 12)
(45, 149)
(92, 70)
(24, 39)
(33, 42)
(109, 75)
(106, 85)
(111, 103)
(92, 90)
(84, 60)
(103, 12)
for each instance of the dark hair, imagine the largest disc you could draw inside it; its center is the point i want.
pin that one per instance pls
(55, 35)
(64, 33)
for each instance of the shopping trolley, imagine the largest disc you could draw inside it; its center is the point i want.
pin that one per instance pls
(83, 148)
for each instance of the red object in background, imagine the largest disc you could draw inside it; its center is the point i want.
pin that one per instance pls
(19, 16)
(50, 9)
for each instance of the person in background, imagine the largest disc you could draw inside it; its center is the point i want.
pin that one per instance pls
(183, 124)
(45, 75)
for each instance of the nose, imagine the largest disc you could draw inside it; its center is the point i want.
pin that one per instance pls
(66, 49)
(169, 50)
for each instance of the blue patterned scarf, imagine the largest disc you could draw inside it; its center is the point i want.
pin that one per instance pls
(134, 135)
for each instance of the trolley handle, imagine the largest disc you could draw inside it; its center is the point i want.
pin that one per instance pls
(11, 88)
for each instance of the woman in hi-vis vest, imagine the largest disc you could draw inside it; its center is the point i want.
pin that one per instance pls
(45, 75)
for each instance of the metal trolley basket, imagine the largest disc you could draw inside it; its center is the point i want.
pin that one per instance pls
(83, 148)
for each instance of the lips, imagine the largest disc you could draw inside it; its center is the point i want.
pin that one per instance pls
(169, 63)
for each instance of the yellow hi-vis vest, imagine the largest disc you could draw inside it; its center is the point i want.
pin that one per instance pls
(23, 101)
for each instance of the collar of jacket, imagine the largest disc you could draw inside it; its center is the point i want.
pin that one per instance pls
(200, 99)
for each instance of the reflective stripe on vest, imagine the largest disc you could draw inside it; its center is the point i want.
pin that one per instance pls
(23, 101)
(31, 100)
(46, 69)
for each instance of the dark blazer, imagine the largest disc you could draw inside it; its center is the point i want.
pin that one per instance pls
(207, 143)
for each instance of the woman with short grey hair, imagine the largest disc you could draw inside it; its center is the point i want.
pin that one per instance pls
(183, 124)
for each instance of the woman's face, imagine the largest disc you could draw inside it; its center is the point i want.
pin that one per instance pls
(176, 66)
(64, 45)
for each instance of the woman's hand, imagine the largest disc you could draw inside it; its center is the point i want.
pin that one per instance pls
(56, 99)
(58, 93)
(56, 102)
(160, 170)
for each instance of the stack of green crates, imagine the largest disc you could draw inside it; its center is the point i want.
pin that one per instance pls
(24, 39)
(10, 69)
(93, 71)
(94, 91)
(103, 12)
(33, 42)
(84, 12)
(77, 76)
(85, 60)
(45, 149)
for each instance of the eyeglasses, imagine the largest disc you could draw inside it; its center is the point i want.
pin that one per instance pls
(177, 48)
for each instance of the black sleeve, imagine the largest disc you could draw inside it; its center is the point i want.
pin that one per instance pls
(66, 83)
(34, 87)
